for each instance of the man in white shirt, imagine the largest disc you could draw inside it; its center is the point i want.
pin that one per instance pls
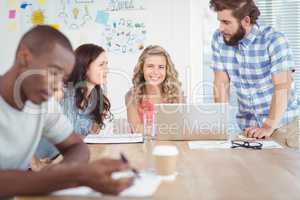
(27, 112)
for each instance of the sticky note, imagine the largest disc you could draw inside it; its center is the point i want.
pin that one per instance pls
(12, 3)
(41, 2)
(37, 17)
(56, 26)
(102, 17)
(12, 26)
(12, 14)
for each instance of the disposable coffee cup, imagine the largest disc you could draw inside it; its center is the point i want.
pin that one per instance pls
(165, 159)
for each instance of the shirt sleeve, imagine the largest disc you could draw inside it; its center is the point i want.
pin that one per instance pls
(217, 64)
(280, 54)
(57, 127)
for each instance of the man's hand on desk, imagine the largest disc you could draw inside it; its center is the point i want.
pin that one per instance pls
(97, 175)
(258, 133)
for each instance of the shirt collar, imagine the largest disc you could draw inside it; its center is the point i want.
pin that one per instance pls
(249, 39)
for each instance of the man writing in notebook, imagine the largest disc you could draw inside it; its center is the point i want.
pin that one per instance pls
(258, 63)
(27, 112)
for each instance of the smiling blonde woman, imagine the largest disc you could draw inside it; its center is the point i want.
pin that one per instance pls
(155, 81)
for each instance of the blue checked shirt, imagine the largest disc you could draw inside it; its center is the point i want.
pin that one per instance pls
(250, 66)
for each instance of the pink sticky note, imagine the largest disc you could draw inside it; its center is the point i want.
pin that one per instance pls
(12, 14)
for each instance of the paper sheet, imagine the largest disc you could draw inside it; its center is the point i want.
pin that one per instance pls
(209, 145)
(267, 144)
(114, 138)
(78, 191)
(145, 186)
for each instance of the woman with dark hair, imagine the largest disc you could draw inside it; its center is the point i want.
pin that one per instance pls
(84, 101)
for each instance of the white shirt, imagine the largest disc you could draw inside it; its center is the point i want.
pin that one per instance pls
(21, 131)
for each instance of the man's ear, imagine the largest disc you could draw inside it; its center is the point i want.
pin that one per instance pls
(246, 22)
(24, 56)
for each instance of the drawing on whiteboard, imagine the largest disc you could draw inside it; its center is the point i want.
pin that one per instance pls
(25, 5)
(123, 32)
(74, 15)
(84, 1)
(125, 5)
(75, 12)
(86, 17)
(33, 13)
(124, 36)
(63, 13)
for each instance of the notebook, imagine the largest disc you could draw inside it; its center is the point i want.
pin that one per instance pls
(114, 138)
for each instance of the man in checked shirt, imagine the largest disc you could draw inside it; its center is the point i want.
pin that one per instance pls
(257, 61)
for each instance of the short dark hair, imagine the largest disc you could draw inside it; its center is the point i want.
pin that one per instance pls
(240, 8)
(42, 38)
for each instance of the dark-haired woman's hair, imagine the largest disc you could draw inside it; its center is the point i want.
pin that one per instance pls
(85, 55)
(240, 8)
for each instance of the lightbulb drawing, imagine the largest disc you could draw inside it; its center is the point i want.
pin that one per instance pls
(75, 12)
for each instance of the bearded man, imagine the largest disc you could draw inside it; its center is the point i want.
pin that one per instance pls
(257, 61)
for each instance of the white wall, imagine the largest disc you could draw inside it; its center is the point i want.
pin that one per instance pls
(176, 25)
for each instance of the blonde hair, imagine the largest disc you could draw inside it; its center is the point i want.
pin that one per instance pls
(170, 87)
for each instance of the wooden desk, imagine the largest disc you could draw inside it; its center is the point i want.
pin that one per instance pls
(216, 174)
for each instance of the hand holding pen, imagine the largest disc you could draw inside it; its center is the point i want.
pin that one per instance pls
(125, 160)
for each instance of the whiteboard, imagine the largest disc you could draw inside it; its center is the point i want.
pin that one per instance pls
(175, 25)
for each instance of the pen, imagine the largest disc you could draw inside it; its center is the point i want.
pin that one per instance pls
(125, 160)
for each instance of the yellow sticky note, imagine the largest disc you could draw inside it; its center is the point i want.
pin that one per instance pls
(12, 26)
(37, 17)
(12, 3)
(56, 26)
(41, 2)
